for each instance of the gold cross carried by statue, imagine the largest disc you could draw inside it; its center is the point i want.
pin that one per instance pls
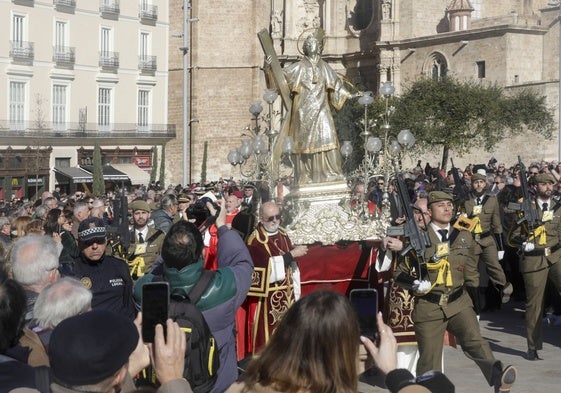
(282, 86)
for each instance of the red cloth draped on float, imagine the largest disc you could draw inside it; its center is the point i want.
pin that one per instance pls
(339, 267)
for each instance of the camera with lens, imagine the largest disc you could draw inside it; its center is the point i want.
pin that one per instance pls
(199, 210)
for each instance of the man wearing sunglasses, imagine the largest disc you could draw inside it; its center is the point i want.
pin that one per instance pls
(107, 277)
(274, 259)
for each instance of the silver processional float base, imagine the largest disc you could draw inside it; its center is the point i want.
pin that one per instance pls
(325, 213)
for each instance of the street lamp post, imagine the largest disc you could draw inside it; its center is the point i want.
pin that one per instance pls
(386, 90)
(186, 112)
(558, 4)
(255, 155)
(373, 145)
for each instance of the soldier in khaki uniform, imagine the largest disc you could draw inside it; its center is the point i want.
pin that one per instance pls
(146, 242)
(542, 252)
(483, 208)
(444, 304)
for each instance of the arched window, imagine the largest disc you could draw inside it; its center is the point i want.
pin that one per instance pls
(437, 67)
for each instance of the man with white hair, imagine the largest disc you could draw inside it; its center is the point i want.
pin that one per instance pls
(97, 208)
(34, 260)
(81, 212)
(40, 212)
(50, 203)
(59, 300)
(5, 228)
(274, 258)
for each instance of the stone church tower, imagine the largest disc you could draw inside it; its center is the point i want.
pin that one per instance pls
(514, 43)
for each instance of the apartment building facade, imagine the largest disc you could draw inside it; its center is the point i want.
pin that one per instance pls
(75, 73)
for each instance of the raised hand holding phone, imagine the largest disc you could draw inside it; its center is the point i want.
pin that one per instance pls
(365, 304)
(155, 304)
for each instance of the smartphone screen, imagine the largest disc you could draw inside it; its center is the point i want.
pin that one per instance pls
(155, 302)
(365, 304)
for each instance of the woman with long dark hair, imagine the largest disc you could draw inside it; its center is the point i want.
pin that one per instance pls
(59, 223)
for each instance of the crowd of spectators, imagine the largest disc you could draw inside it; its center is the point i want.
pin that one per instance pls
(42, 240)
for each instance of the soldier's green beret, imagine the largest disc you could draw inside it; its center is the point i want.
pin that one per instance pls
(437, 196)
(139, 204)
(478, 176)
(545, 178)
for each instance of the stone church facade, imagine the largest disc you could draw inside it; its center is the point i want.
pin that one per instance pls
(514, 43)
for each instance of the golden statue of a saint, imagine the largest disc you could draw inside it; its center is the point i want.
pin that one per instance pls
(313, 85)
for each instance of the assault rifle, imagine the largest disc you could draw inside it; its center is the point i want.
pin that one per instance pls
(459, 188)
(417, 237)
(118, 232)
(461, 196)
(530, 214)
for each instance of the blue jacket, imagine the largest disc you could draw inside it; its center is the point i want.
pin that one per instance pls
(110, 282)
(220, 301)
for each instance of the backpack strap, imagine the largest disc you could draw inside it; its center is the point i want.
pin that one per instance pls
(43, 378)
(201, 285)
(198, 289)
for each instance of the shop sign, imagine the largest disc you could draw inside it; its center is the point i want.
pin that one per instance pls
(32, 180)
(142, 161)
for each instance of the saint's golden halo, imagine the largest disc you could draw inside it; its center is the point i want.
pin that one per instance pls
(318, 33)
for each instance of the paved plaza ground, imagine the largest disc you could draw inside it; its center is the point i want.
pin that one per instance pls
(505, 331)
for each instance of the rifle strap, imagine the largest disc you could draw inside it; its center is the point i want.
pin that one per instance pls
(453, 235)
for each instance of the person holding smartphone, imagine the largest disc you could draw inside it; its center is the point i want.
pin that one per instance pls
(320, 353)
(59, 224)
(182, 268)
(78, 359)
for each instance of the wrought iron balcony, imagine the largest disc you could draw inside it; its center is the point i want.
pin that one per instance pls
(22, 51)
(147, 64)
(64, 56)
(109, 60)
(88, 130)
(28, 3)
(65, 3)
(109, 7)
(148, 12)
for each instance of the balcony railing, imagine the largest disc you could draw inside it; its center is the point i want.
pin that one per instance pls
(109, 7)
(29, 3)
(147, 64)
(22, 51)
(89, 130)
(64, 56)
(109, 60)
(148, 12)
(65, 3)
